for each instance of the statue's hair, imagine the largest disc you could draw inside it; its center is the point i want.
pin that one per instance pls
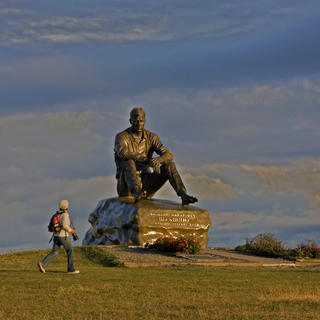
(135, 111)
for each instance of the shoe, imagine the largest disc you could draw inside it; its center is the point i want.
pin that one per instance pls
(74, 272)
(138, 195)
(186, 199)
(41, 268)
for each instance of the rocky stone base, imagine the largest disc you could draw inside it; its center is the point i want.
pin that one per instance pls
(120, 221)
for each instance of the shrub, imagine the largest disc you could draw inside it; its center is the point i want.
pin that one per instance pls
(165, 244)
(184, 244)
(242, 248)
(309, 250)
(266, 244)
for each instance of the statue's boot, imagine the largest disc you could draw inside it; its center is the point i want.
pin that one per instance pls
(186, 199)
(138, 195)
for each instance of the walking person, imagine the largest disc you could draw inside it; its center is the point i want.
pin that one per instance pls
(61, 238)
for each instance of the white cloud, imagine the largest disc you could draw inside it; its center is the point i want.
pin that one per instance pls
(268, 95)
(32, 143)
(73, 29)
(242, 220)
(209, 188)
(301, 178)
(263, 94)
(143, 21)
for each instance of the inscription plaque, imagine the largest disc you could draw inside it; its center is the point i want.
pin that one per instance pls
(174, 219)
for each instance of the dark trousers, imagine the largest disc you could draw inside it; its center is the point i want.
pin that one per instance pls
(57, 243)
(149, 182)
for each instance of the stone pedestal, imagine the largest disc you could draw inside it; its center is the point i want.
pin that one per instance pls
(120, 221)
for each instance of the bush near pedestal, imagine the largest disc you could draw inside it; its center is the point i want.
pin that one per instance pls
(185, 244)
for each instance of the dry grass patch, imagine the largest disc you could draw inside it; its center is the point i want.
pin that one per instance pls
(290, 294)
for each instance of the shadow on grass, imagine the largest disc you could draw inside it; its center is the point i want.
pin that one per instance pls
(97, 256)
(56, 271)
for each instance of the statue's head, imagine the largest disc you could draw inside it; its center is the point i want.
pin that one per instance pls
(137, 119)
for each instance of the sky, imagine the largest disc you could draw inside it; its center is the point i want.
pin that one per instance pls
(231, 87)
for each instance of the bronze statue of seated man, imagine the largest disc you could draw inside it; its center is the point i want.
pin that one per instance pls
(138, 172)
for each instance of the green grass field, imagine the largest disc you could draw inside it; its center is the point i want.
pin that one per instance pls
(104, 290)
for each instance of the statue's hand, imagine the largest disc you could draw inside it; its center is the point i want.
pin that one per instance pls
(142, 159)
(155, 165)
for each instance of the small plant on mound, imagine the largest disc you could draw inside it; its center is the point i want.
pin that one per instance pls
(309, 250)
(243, 247)
(266, 244)
(184, 244)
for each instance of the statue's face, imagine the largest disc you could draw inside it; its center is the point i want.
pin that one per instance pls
(137, 121)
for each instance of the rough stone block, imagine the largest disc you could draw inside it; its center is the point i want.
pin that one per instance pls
(121, 221)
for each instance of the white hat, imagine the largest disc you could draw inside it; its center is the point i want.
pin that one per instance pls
(64, 204)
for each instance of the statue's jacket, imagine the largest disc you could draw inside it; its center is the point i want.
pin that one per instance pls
(127, 147)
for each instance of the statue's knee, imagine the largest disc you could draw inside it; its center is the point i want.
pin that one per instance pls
(129, 164)
(169, 167)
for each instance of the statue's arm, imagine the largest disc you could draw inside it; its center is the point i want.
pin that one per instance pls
(165, 155)
(121, 148)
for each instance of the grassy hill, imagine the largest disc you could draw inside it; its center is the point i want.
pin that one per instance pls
(105, 290)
